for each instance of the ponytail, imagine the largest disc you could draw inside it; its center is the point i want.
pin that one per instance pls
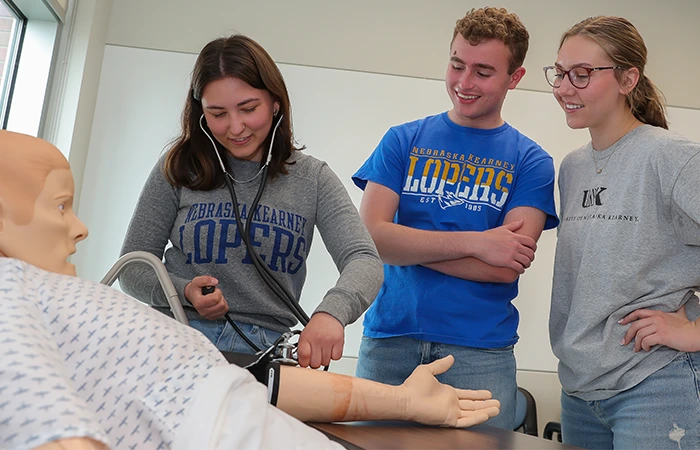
(647, 103)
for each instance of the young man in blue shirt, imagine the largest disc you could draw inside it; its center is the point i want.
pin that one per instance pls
(455, 204)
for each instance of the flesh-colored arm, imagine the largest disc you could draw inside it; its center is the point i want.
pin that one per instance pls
(317, 396)
(474, 269)
(73, 444)
(405, 246)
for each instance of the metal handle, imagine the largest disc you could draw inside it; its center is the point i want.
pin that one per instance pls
(162, 274)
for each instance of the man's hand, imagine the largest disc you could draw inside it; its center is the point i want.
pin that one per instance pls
(211, 306)
(503, 247)
(430, 402)
(322, 340)
(651, 327)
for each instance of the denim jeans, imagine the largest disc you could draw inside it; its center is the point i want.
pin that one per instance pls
(661, 412)
(391, 361)
(227, 339)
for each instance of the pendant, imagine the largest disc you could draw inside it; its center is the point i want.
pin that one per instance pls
(598, 170)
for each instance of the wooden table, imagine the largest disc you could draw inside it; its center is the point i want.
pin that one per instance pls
(401, 436)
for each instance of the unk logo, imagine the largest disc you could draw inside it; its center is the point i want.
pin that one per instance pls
(592, 197)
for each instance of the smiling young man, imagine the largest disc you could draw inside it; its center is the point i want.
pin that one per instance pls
(455, 204)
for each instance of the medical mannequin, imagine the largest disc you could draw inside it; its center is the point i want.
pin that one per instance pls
(38, 232)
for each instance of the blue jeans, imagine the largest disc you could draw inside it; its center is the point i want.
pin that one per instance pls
(227, 339)
(391, 361)
(661, 412)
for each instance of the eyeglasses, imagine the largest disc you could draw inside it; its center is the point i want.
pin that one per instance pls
(580, 77)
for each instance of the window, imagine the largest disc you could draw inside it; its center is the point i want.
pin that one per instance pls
(30, 32)
(12, 26)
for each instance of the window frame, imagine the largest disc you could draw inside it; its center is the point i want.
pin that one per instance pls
(13, 57)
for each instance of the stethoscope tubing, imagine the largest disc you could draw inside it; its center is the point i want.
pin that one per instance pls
(263, 270)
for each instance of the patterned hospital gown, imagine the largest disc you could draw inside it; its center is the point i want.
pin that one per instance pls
(81, 359)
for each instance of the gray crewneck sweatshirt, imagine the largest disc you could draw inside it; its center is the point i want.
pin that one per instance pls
(201, 227)
(629, 238)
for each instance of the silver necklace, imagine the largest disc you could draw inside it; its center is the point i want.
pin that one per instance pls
(599, 170)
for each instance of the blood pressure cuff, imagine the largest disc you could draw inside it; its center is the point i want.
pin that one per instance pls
(269, 375)
(263, 369)
(273, 382)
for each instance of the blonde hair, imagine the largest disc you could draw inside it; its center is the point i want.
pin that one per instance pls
(625, 47)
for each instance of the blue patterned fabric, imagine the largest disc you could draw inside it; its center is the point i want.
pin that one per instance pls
(79, 359)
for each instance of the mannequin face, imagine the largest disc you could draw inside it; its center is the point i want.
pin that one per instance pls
(37, 221)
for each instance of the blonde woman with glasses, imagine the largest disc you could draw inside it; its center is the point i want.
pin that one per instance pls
(627, 262)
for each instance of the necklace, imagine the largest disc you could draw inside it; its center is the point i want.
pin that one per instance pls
(599, 170)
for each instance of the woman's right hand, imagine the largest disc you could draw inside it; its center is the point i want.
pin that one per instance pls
(210, 306)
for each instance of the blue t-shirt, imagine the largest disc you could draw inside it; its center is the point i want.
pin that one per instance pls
(454, 178)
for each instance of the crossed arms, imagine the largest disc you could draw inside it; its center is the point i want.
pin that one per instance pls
(497, 255)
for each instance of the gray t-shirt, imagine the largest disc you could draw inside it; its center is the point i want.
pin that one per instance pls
(629, 238)
(201, 227)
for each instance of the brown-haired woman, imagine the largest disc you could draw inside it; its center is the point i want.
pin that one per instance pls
(237, 117)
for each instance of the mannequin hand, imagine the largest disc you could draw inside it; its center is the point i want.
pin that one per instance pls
(211, 306)
(502, 247)
(650, 327)
(322, 340)
(433, 403)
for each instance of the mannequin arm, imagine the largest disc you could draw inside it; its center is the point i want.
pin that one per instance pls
(316, 396)
(73, 444)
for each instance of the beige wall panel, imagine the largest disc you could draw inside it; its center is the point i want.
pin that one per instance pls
(405, 37)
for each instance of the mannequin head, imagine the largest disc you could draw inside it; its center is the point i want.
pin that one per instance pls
(37, 221)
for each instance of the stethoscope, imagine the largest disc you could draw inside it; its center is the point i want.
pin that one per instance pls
(265, 273)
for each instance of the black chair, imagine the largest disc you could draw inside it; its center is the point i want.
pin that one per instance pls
(525, 413)
(550, 429)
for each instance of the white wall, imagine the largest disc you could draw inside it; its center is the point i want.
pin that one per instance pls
(405, 37)
(353, 69)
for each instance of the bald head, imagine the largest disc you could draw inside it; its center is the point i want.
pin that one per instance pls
(37, 221)
(25, 162)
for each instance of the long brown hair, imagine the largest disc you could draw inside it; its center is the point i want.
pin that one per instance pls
(190, 161)
(625, 47)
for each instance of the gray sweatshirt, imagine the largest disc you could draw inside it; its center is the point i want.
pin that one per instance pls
(629, 238)
(201, 227)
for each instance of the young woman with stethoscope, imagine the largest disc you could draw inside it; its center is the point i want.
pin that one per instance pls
(239, 202)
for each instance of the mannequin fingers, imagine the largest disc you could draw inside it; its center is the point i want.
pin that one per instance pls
(441, 365)
(475, 405)
(468, 394)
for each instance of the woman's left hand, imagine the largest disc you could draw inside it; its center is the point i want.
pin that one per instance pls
(322, 340)
(650, 327)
